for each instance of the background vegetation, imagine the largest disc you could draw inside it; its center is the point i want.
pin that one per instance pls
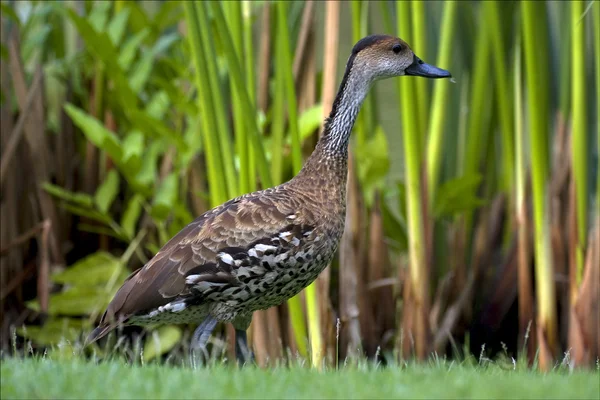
(473, 222)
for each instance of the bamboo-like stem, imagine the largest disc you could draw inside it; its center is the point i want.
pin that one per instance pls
(419, 45)
(580, 140)
(288, 81)
(502, 96)
(526, 317)
(440, 99)
(412, 154)
(215, 177)
(596, 19)
(218, 109)
(238, 81)
(538, 126)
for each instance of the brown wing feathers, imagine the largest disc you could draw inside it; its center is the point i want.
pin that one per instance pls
(207, 250)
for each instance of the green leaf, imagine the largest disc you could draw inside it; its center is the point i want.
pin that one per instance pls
(77, 301)
(96, 132)
(88, 213)
(97, 269)
(133, 147)
(99, 14)
(161, 341)
(118, 25)
(55, 331)
(147, 173)
(131, 215)
(9, 11)
(394, 228)
(158, 105)
(130, 48)
(82, 199)
(166, 195)
(309, 121)
(141, 72)
(106, 193)
(457, 196)
(373, 162)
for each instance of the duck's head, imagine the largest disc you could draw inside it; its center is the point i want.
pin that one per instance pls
(383, 56)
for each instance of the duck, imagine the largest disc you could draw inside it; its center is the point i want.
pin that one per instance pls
(259, 249)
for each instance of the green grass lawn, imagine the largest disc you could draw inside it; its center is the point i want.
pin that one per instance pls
(37, 378)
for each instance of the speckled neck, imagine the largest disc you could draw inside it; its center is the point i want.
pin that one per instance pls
(330, 157)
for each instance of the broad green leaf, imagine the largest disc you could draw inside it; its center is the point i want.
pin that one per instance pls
(170, 13)
(96, 132)
(309, 121)
(99, 44)
(166, 195)
(118, 25)
(130, 48)
(35, 41)
(88, 213)
(77, 301)
(394, 227)
(96, 269)
(138, 19)
(9, 11)
(458, 195)
(82, 199)
(141, 72)
(147, 173)
(99, 14)
(133, 146)
(106, 193)
(158, 105)
(373, 162)
(131, 215)
(54, 331)
(161, 341)
(101, 230)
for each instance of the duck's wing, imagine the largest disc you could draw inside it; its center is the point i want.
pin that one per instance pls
(204, 253)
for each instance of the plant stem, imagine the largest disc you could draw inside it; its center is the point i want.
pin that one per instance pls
(580, 144)
(440, 99)
(538, 126)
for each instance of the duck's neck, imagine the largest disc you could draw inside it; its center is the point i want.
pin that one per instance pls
(330, 156)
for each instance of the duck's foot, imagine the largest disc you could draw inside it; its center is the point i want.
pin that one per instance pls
(242, 351)
(200, 338)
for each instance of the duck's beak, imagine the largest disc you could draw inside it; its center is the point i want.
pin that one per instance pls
(420, 68)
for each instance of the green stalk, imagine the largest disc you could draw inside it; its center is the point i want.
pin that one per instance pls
(565, 67)
(286, 83)
(502, 97)
(481, 94)
(238, 81)
(359, 125)
(278, 110)
(538, 126)
(419, 45)
(283, 42)
(596, 16)
(580, 142)
(414, 199)
(216, 98)
(211, 147)
(440, 100)
(247, 181)
(234, 18)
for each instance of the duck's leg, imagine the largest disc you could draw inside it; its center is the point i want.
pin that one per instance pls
(242, 351)
(200, 338)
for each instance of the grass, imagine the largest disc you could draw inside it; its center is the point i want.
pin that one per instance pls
(43, 378)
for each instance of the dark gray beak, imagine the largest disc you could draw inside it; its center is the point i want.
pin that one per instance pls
(419, 68)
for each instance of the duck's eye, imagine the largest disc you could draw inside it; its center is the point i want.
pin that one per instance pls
(397, 48)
